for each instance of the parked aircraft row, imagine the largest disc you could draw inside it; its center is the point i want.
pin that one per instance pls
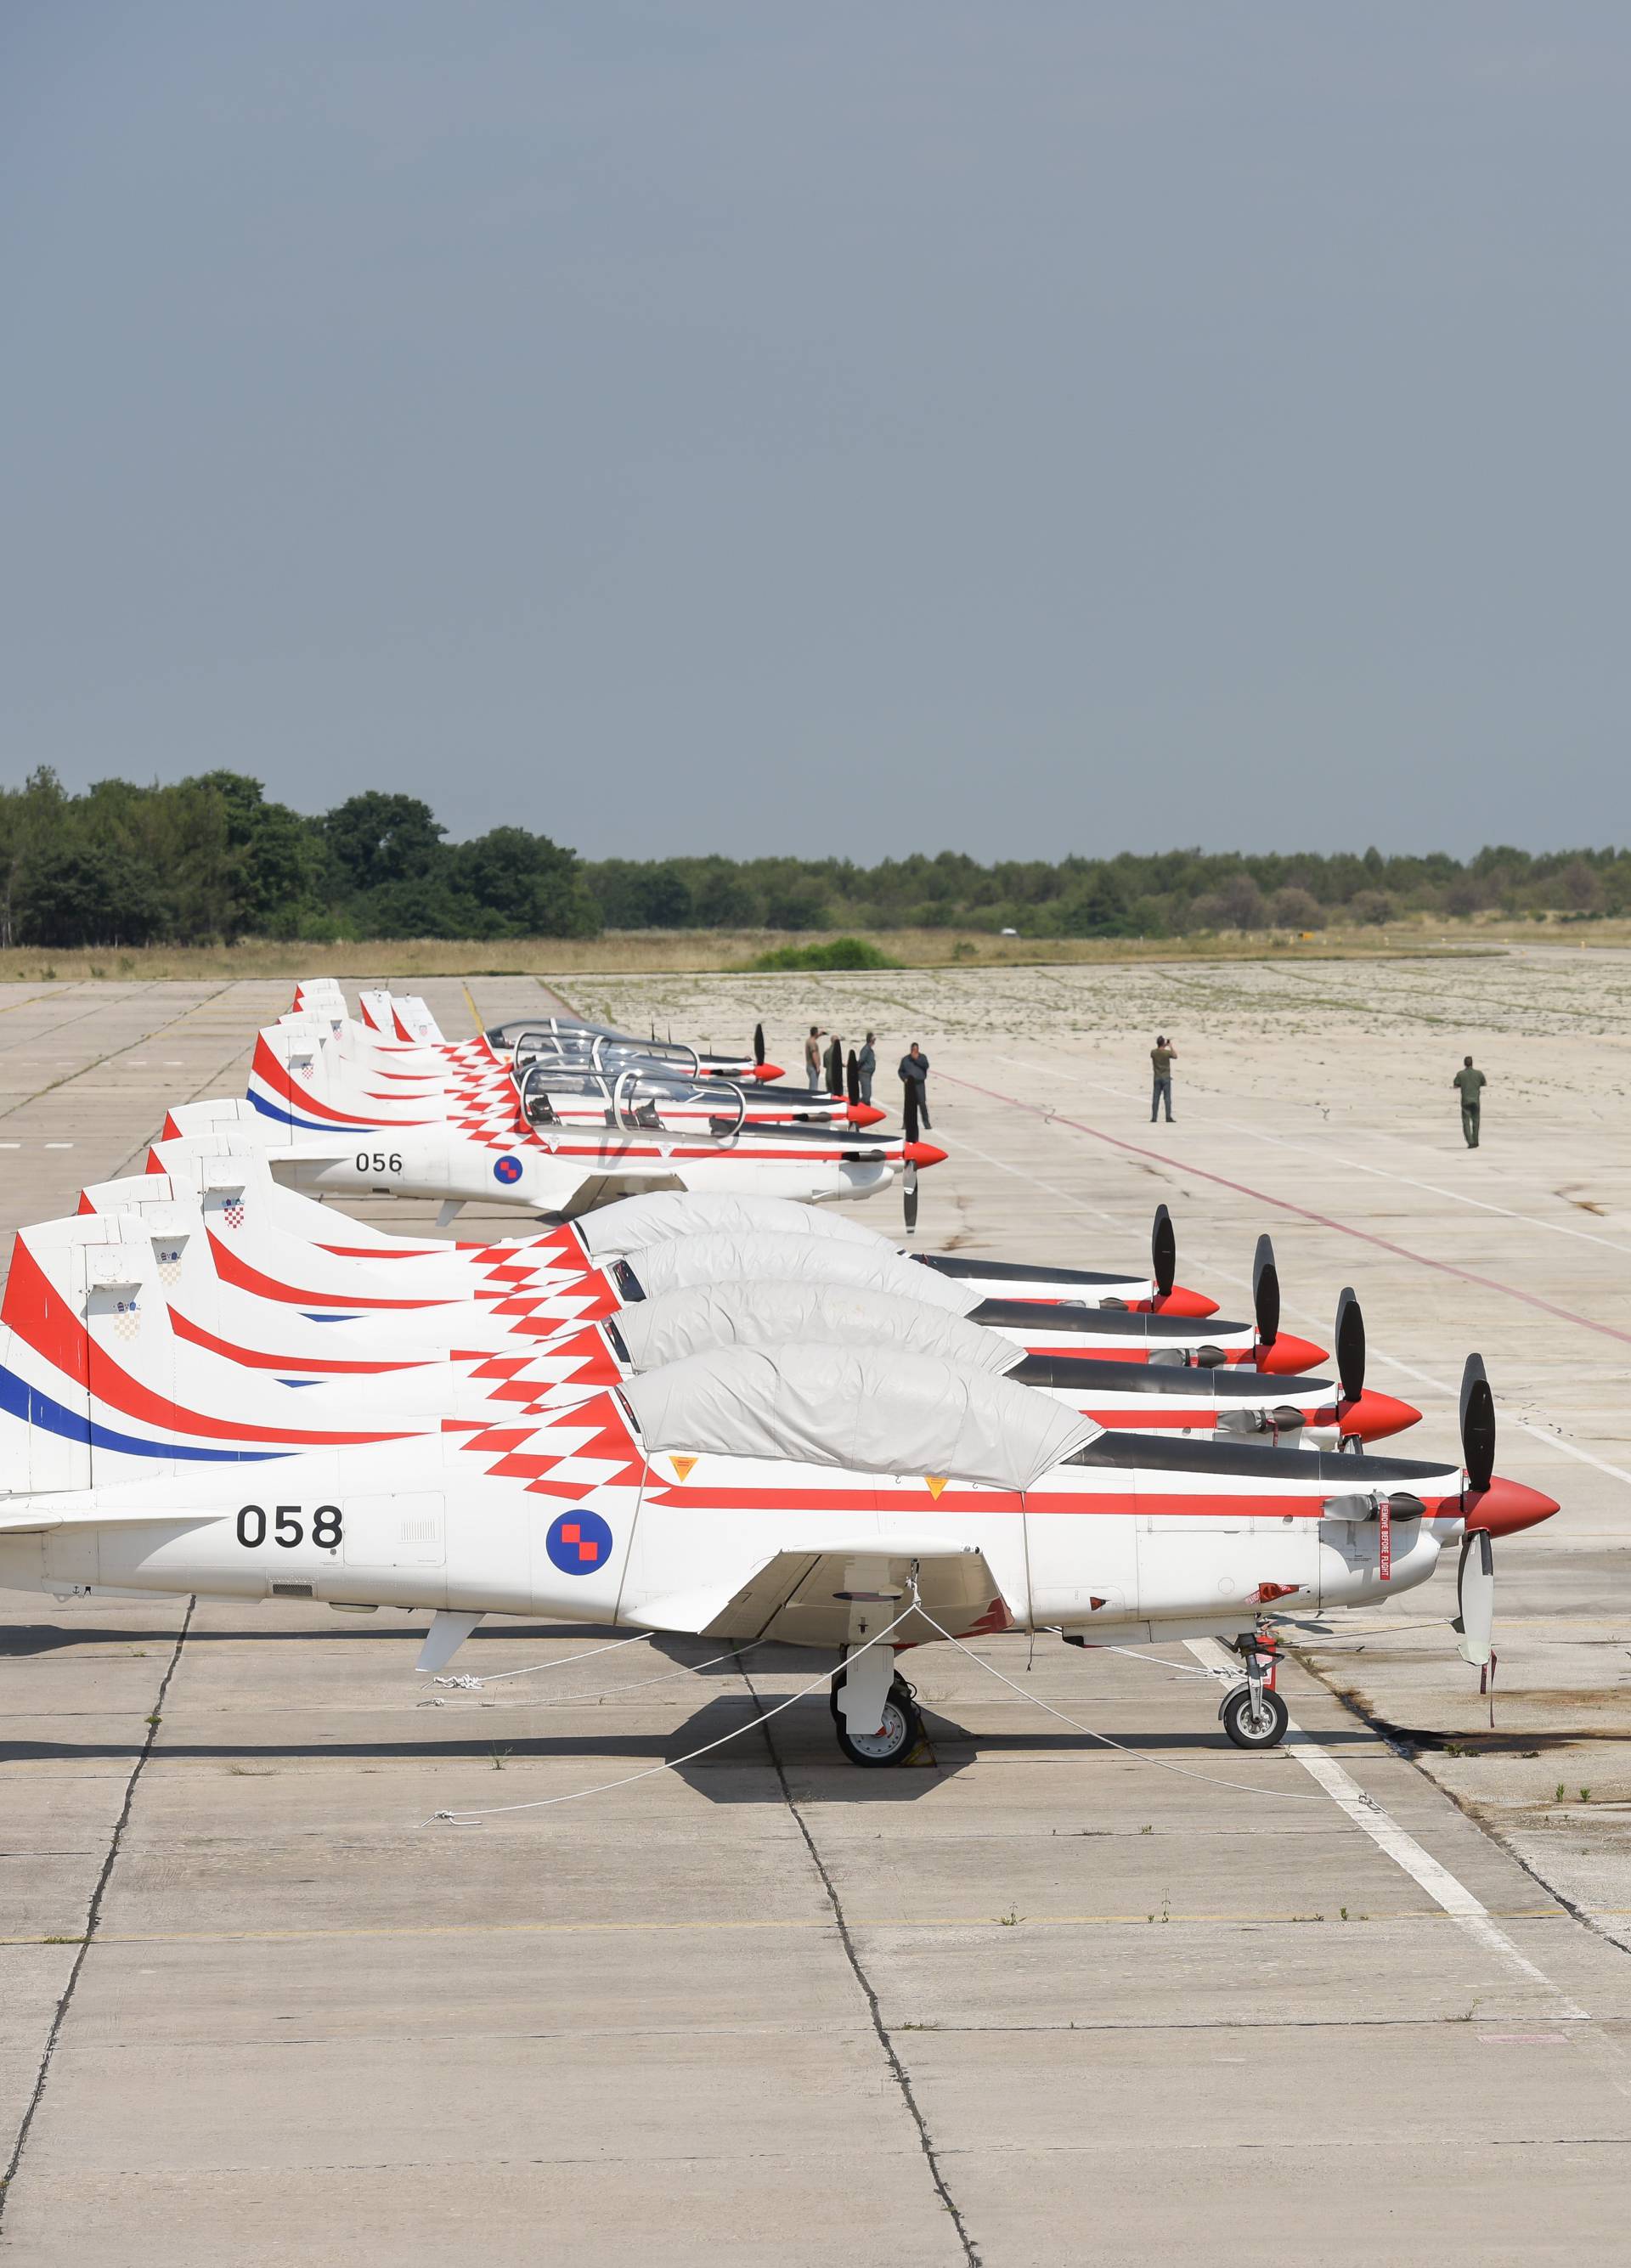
(688, 1398)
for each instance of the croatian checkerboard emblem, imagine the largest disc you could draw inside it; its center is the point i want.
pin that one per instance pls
(579, 1543)
(507, 1170)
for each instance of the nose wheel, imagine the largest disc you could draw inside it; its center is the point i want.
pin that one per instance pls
(1254, 1721)
(897, 1734)
(1254, 1715)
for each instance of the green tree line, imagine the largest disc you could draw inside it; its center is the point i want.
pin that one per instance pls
(211, 858)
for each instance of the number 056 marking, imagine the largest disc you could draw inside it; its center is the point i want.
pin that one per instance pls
(286, 1525)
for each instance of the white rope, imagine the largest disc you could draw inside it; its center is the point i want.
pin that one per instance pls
(1158, 1764)
(547, 1802)
(474, 1684)
(639, 1684)
(1153, 1661)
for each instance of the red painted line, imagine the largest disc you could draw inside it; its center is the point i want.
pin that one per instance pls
(1284, 1204)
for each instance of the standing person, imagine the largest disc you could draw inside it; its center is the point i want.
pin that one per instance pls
(835, 1066)
(1472, 1084)
(914, 1079)
(866, 1063)
(812, 1058)
(1160, 1062)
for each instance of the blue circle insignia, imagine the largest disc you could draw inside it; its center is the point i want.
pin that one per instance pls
(579, 1543)
(507, 1170)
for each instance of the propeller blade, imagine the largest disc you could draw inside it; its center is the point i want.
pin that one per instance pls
(1163, 1252)
(1350, 1345)
(909, 1183)
(758, 1043)
(1266, 1291)
(1475, 1592)
(1478, 1424)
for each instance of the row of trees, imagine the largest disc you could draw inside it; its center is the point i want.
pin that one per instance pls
(211, 858)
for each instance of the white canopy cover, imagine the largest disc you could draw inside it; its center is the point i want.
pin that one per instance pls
(866, 1408)
(632, 1223)
(772, 1313)
(685, 1260)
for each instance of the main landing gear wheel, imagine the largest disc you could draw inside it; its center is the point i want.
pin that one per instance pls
(1255, 1721)
(896, 1736)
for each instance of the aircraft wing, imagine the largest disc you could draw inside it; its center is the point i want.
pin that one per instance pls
(829, 1596)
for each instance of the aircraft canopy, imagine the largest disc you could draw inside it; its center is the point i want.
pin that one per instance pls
(684, 1261)
(866, 1408)
(632, 1223)
(772, 1313)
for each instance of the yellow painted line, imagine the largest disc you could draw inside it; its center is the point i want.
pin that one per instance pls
(475, 1014)
(672, 1928)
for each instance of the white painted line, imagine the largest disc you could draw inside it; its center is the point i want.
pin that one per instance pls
(59, 1146)
(1402, 1848)
(11, 1145)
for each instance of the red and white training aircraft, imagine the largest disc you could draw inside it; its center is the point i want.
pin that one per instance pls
(210, 1386)
(336, 1135)
(859, 1498)
(256, 1277)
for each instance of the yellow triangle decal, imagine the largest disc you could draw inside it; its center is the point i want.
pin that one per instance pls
(682, 1467)
(934, 1483)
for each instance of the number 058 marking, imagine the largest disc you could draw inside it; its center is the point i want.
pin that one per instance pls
(286, 1525)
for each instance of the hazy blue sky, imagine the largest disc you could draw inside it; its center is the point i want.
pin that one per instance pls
(854, 428)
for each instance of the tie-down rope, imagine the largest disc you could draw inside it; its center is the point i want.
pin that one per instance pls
(545, 1802)
(915, 1606)
(1158, 1764)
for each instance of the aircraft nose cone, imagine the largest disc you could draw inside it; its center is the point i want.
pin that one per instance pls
(1289, 1355)
(767, 1070)
(1181, 1302)
(1505, 1506)
(923, 1154)
(863, 1114)
(1372, 1417)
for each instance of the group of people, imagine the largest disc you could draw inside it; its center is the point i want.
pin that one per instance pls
(853, 1076)
(1469, 1083)
(828, 1067)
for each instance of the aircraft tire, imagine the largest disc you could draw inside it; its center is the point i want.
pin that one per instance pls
(1267, 1732)
(892, 1744)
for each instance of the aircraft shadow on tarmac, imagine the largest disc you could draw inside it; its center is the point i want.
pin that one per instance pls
(800, 1740)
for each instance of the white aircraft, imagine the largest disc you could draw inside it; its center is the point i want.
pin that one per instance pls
(209, 1386)
(336, 1135)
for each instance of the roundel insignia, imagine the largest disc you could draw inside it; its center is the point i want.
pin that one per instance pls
(507, 1170)
(579, 1543)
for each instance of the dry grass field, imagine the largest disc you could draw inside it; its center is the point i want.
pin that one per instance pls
(723, 952)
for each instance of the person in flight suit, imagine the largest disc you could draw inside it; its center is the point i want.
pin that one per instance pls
(1472, 1084)
(914, 1079)
(1160, 1062)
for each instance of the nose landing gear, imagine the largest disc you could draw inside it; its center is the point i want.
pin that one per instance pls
(1254, 1715)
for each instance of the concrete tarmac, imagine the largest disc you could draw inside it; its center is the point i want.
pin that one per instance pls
(1031, 1999)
